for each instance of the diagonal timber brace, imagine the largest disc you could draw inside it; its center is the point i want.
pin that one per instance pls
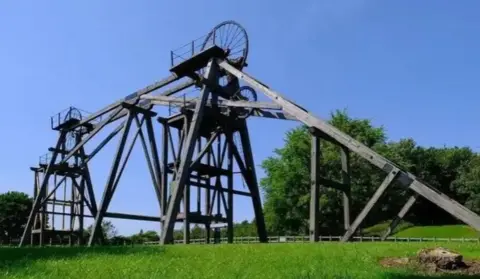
(410, 202)
(405, 178)
(109, 187)
(186, 157)
(371, 203)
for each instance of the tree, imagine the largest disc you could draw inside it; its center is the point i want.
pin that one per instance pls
(468, 183)
(142, 237)
(287, 183)
(108, 229)
(14, 210)
(286, 187)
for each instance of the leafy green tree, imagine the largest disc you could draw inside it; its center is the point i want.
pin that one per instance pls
(287, 183)
(142, 237)
(14, 210)
(197, 232)
(286, 187)
(108, 229)
(468, 183)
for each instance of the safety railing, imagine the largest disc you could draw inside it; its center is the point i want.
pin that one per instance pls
(192, 48)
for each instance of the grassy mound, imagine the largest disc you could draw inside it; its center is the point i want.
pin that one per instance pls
(321, 260)
(379, 229)
(446, 231)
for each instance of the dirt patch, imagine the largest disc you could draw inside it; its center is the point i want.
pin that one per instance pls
(420, 264)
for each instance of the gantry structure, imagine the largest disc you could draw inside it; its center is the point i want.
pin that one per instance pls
(202, 143)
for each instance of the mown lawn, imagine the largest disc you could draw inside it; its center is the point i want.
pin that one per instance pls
(322, 260)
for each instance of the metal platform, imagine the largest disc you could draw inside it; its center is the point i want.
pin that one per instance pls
(197, 61)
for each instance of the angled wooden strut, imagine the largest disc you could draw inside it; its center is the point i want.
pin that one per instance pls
(182, 174)
(405, 178)
(371, 203)
(250, 176)
(406, 207)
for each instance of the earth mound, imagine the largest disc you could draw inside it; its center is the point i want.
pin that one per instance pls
(436, 260)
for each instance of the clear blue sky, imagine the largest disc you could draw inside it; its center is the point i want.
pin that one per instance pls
(411, 66)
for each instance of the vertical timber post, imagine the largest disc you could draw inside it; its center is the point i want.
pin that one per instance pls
(164, 183)
(345, 158)
(208, 204)
(230, 186)
(82, 212)
(36, 217)
(314, 189)
(186, 192)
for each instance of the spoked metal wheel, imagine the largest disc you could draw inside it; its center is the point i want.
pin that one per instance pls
(233, 39)
(70, 141)
(244, 93)
(73, 113)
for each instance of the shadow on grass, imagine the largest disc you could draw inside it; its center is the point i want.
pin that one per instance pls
(18, 258)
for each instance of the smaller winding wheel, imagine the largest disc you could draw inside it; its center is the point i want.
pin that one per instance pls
(244, 93)
(71, 139)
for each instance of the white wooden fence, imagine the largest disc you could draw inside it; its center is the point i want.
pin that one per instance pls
(299, 239)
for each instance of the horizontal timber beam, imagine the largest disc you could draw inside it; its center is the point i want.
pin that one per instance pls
(211, 187)
(190, 102)
(132, 217)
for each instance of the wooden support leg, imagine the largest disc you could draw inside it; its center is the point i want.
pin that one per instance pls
(314, 189)
(373, 200)
(400, 216)
(186, 211)
(186, 158)
(345, 158)
(230, 188)
(252, 182)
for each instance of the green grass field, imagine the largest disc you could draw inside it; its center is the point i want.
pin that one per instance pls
(322, 260)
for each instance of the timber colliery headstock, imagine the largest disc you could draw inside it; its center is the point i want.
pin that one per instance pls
(192, 173)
